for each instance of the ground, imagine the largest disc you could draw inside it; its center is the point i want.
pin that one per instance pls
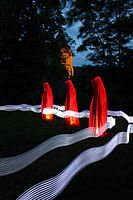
(21, 131)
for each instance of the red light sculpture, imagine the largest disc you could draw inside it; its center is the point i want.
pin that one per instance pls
(98, 107)
(71, 104)
(47, 101)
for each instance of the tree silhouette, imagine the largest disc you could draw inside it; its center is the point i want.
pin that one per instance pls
(28, 44)
(106, 29)
(28, 29)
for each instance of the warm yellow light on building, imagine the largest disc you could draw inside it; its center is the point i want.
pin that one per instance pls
(66, 60)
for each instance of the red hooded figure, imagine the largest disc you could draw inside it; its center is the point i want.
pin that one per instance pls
(47, 101)
(71, 104)
(98, 107)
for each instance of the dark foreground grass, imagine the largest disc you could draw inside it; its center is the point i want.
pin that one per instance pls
(21, 131)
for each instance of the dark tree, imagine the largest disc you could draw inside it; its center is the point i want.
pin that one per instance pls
(107, 28)
(29, 49)
(28, 29)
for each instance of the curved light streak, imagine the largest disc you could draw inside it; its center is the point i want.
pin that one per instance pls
(63, 114)
(21, 107)
(49, 189)
(13, 164)
(60, 111)
(121, 114)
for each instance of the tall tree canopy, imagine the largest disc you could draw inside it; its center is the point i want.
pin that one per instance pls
(107, 28)
(28, 43)
(28, 29)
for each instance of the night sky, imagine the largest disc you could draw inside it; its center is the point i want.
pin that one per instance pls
(80, 58)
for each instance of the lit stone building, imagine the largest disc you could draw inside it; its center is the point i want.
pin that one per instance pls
(63, 53)
(66, 61)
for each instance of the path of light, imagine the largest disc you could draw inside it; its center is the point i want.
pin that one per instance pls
(49, 189)
(13, 164)
(60, 111)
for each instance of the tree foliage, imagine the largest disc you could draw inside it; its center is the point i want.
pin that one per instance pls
(28, 29)
(28, 32)
(107, 28)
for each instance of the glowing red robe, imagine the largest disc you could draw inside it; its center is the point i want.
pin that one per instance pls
(47, 101)
(71, 104)
(98, 107)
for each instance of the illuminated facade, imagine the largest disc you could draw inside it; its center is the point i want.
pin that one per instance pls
(66, 60)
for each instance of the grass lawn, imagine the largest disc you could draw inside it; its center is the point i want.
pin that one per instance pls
(21, 131)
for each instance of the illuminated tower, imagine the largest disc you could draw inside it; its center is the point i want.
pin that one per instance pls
(66, 61)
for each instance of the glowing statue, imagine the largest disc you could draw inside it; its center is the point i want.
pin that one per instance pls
(98, 107)
(66, 60)
(71, 104)
(47, 102)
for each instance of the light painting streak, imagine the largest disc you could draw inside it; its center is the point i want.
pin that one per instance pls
(121, 114)
(60, 111)
(13, 164)
(49, 189)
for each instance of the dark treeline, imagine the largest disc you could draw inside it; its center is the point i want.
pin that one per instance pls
(32, 33)
(118, 84)
(106, 33)
(106, 30)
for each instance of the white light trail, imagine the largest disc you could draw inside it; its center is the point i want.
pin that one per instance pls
(13, 164)
(21, 107)
(49, 189)
(60, 111)
(120, 114)
(63, 114)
